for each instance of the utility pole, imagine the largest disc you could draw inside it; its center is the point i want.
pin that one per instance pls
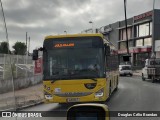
(125, 4)
(26, 41)
(126, 57)
(28, 45)
(26, 59)
(153, 41)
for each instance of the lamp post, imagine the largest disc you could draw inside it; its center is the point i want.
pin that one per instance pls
(153, 44)
(65, 32)
(92, 25)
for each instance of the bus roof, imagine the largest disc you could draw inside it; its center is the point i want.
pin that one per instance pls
(73, 35)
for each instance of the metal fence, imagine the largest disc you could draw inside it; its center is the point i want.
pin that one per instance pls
(25, 88)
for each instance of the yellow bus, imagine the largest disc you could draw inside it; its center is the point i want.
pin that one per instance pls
(78, 68)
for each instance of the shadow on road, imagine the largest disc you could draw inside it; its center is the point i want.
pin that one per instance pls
(150, 81)
(147, 80)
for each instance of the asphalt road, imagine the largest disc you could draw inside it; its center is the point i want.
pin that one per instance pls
(133, 94)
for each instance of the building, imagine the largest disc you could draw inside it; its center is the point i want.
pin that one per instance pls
(143, 34)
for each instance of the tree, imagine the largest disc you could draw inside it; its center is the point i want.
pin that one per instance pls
(19, 48)
(4, 48)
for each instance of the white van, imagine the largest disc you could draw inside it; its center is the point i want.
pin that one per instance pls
(125, 70)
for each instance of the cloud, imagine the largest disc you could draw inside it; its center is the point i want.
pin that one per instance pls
(45, 17)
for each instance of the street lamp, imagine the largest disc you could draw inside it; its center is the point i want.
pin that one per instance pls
(92, 25)
(65, 32)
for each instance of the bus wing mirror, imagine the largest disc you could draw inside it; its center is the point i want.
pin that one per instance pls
(107, 50)
(35, 55)
(90, 111)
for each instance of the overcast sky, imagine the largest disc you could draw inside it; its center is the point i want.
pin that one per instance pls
(50, 17)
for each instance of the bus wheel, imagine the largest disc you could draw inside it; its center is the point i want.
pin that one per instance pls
(116, 85)
(110, 88)
(153, 79)
(143, 78)
(62, 104)
(109, 94)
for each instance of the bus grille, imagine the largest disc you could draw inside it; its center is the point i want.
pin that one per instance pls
(72, 94)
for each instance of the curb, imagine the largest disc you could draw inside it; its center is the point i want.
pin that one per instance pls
(24, 107)
(136, 74)
(31, 105)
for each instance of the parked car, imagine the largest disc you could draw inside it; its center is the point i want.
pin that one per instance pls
(125, 70)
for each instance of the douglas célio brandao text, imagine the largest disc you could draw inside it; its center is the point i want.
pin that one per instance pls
(134, 114)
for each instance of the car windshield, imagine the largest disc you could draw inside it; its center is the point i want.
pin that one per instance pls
(126, 68)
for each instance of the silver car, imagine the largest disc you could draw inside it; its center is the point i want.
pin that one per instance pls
(125, 70)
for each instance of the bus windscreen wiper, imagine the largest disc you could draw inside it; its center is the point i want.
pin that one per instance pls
(94, 79)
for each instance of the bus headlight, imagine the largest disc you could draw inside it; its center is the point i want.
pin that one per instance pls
(90, 85)
(47, 95)
(48, 88)
(99, 93)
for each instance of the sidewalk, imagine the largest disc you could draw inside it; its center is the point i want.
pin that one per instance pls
(137, 72)
(24, 97)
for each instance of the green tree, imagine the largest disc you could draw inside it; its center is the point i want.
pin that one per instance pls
(4, 48)
(19, 48)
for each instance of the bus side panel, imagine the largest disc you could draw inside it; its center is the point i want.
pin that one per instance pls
(114, 79)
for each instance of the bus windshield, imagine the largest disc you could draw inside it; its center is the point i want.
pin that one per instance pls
(73, 63)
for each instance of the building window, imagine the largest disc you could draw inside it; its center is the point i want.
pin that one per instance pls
(123, 45)
(150, 24)
(143, 29)
(148, 41)
(140, 59)
(139, 42)
(131, 43)
(123, 33)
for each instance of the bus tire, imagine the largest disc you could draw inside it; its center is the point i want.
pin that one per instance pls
(116, 85)
(62, 104)
(143, 78)
(109, 92)
(153, 79)
(110, 88)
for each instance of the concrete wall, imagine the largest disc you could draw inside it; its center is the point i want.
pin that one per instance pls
(6, 85)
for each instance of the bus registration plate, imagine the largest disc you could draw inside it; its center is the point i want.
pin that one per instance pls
(73, 99)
